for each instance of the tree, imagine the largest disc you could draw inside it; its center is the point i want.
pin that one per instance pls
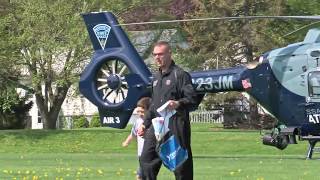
(293, 31)
(49, 44)
(10, 101)
(217, 44)
(230, 43)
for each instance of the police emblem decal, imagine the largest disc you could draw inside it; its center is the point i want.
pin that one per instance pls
(168, 82)
(102, 32)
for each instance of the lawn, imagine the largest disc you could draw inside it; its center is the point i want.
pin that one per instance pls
(97, 154)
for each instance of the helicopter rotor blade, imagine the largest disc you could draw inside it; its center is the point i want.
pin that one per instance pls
(303, 28)
(223, 18)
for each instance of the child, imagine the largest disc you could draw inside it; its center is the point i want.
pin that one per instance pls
(142, 106)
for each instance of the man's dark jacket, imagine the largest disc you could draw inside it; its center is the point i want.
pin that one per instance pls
(175, 84)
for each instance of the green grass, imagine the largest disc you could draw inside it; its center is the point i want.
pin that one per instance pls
(97, 154)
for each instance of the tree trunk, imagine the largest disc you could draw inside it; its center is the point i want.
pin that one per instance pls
(254, 115)
(50, 116)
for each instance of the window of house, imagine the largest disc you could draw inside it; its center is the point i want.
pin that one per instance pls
(39, 117)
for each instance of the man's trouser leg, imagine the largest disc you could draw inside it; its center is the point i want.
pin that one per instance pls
(185, 171)
(149, 159)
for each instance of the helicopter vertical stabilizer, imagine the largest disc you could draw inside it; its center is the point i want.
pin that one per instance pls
(116, 77)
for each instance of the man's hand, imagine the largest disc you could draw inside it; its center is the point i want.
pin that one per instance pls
(173, 104)
(141, 130)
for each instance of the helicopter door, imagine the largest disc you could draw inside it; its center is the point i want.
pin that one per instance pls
(314, 86)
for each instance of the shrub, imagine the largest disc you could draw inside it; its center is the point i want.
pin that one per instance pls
(95, 121)
(13, 110)
(80, 122)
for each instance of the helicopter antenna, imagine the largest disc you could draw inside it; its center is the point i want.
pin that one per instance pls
(222, 18)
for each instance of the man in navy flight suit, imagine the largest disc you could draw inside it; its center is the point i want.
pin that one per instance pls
(171, 83)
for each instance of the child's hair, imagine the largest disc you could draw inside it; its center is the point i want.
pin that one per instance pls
(144, 103)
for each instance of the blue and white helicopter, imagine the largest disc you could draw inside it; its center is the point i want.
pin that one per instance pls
(286, 81)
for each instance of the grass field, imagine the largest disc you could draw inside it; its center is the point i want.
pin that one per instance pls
(97, 154)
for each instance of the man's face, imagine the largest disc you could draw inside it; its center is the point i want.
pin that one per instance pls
(162, 56)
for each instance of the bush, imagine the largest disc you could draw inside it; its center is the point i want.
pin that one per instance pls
(80, 122)
(14, 111)
(95, 121)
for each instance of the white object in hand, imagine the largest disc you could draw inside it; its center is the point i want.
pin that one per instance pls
(165, 112)
(161, 127)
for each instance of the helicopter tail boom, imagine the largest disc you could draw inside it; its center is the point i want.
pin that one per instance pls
(231, 79)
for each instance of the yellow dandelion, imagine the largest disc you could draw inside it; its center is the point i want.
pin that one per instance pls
(120, 169)
(68, 175)
(19, 172)
(239, 170)
(118, 173)
(134, 172)
(78, 173)
(5, 171)
(35, 177)
(100, 171)
(231, 173)
(27, 172)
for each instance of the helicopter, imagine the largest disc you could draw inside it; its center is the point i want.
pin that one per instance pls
(285, 81)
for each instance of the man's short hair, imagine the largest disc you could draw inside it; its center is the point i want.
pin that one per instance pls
(144, 103)
(163, 43)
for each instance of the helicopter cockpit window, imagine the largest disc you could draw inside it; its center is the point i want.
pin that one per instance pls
(314, 84)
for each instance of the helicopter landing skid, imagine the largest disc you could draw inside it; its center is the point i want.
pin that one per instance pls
(312, 145)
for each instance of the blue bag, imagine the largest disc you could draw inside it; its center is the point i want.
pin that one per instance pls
(172, 154)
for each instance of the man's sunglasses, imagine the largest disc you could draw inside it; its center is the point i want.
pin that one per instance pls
(157, 54)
